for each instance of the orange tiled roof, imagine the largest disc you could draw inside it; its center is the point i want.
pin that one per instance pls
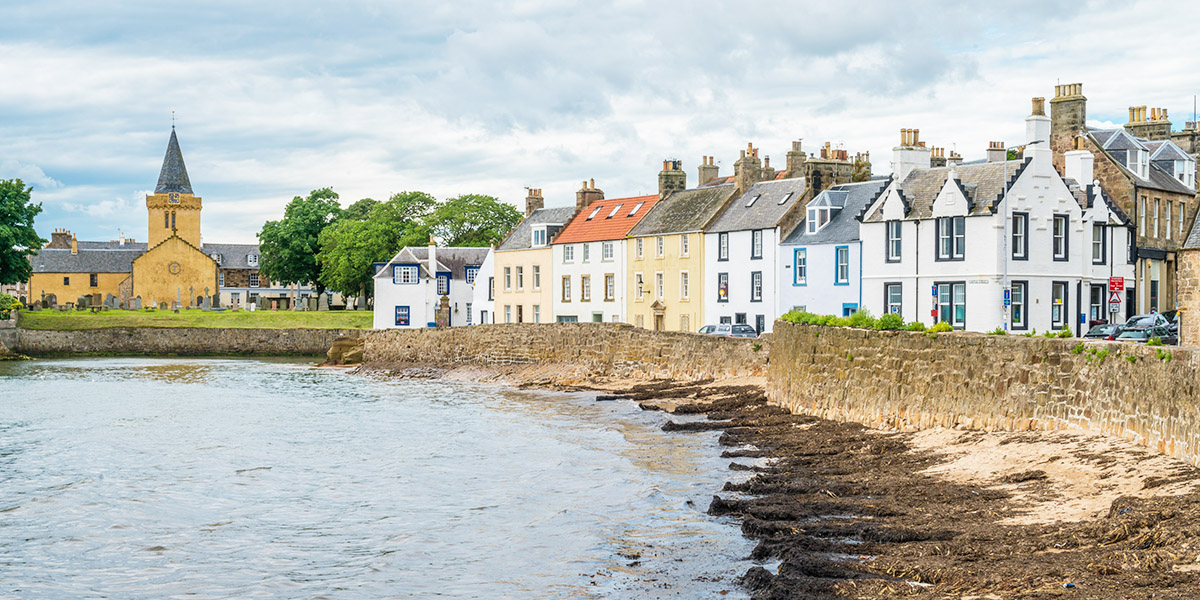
(602, 227)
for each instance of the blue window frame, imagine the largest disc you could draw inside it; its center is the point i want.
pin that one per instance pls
(470, 274)
(443, 284)
(800, 267)
(402, 319)
(841, 267)
(849, 308)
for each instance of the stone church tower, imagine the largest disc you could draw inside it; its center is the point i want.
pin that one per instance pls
(172, 208)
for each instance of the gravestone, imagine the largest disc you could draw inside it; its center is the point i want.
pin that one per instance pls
(111, 301)
(274, 305)
(216, 300)
(83, 302)
(136, 303)
(52, 301)
(206, 304)
(24, 301)
(191, 294)
(323, 302)
(311, 304)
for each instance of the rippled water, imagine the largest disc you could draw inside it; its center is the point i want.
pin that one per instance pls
(209, 478)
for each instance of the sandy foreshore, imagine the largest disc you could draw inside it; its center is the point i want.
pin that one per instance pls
(843, 511)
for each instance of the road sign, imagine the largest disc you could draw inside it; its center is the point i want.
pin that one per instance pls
(1116, 284)
(1114, 307)
(1007, 297)
(1114, 297)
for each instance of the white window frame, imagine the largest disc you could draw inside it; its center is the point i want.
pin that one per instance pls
(660, 246)
(508, 279)
(537, 313)
(1157, 211)
(1059, 247)
(1098, 243)
(756, 243)
(638, 281)
(685, 244)
(520, 278)
(537, 277)
(841, 275)
(252, 260)
(606, 251)
(587, 252)
(566, 288)
(894, 242)
(756, 286)
(638, 248)
(585, 288)
(569, 253)
(405, 274)
(443, 285)
(893, 304)
(684, 285)
(722, 246)
(660, 285)
(254, 280)
(800, 266)
(610, 286)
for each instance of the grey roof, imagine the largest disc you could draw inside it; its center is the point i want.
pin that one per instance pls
(113, 245)
(233, 256)
(455, 260)
(843, 224)
(1162, 180)
(1118, 143)
(983, 185)
(173, 177)
(1166, 150)
(1193, 239)
(60, 260)
(684, 211)
(520, 238)
(761, 207)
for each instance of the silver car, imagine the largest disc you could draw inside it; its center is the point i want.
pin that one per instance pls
(738, 330)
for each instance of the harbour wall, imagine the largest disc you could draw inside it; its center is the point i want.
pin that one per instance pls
(179, 340)
(908, 381)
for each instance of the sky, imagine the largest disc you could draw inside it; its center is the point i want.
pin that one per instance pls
(273, 99)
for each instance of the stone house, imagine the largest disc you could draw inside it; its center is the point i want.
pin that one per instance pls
(524, 288)
(1007, 244)
(1150, 177)
(589, 265)
(414, 283)
(819, 264)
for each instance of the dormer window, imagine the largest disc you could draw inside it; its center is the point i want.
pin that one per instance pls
(636, 209)
(252, 260)
(616, 209)
(822, 209)
(594, 213)
(217, 257)
(1185, 171)
(818, 218)
(1139, 163)
(539, 237)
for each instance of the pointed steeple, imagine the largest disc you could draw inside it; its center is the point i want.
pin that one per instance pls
(173, 177)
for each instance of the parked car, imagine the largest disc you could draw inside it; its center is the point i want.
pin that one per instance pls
(730, 330)
(1107, 331)
(1147, 320)
(1135, 335)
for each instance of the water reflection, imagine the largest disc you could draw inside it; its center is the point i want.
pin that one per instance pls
(147, 478)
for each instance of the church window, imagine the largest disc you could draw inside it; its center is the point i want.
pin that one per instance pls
(254, 280)
(172, 219)
(166, 220)
(94, 280)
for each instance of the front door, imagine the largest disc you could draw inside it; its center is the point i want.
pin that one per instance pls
(760, 323)
(658, 322)
(520, 313)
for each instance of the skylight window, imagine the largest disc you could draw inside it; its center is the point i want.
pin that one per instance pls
(636, 208)
(786, 198)
(594, 213)
(752, 200)
(616, 209)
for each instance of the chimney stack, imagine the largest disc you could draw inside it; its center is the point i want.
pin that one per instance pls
(910, 154)
(1079, 164)
(954, 159)
(795, 160)
(74, 246)
(433, 260)
(1149, 123)
(708, 170)
(672, 178)
(747, 171)
(586, 195)
(60, 238)
(996, 152)
(1068, 115)
(534, 201)
(1038, 126)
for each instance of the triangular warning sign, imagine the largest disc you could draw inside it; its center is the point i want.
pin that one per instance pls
(1114, 297)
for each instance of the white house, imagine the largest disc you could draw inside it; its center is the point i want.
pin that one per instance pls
(483, 296)
(590, 260)
(1005, 244)
(741, 254)
(820, 262)
(410, 286)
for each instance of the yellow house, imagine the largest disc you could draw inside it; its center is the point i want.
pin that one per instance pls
(523, 267)
(666, 259)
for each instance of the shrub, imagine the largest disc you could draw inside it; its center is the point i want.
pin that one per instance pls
(838, 321)
(941, 326)
(998, 331)
(862, 319)
(7, 302)
(916, 326)
(1154, 341)
(889, 322)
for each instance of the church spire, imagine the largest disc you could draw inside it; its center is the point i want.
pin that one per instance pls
(173, 177)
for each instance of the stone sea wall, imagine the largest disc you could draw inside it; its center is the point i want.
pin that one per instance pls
(180, 340)
(908, 381)
(584, 349)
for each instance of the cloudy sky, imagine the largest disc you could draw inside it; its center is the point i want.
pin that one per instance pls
(274, 98)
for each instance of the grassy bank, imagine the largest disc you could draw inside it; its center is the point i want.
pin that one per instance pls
(77, 320)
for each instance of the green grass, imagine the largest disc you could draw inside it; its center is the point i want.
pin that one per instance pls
(265, 319)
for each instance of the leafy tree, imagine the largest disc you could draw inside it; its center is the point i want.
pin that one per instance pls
(349, 247)
(473, 220)
(18, 240)
(288, 247)
(359, 210)
(861, 171)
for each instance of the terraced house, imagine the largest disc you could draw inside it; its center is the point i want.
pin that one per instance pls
(589, 260)
(523, 262)
(1151, 178)
(420, 287)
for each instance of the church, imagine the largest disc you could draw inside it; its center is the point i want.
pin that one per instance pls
(173, 265)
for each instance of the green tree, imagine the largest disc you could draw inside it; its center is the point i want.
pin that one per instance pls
(349, 247)
(359, 210)
(288, 247)
(473, 220)
(18, 240)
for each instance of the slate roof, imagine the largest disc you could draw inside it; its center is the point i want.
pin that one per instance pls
(1193, 239)
(60, 260)
(843, 225)
(684, 211)
(983, 184)
(1118, 143)
(173, 177)
(520, 238)
(233, 256)
(1166, 150)
(761, 207)
(453, 260)
(606, 225)
(1162, 180)
(113, 245)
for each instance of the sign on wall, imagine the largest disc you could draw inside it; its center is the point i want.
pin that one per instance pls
(1116, 284)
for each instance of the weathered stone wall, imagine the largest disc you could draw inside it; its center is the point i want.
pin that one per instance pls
(589, 349)
(908, 381)
(1189, 297)
(179, 340)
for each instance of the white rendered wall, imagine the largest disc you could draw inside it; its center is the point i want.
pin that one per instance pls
(596, 267)
(819, 294)
(739, 267)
